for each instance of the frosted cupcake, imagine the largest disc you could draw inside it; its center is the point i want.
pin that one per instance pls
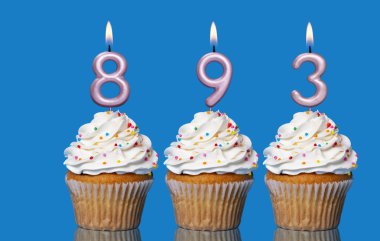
(309, 172)
(210, 172)
(109, 172)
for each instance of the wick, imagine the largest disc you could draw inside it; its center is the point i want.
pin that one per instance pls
(310, 49)
(110, 107)
(210, 109)
(213, 49)
(109, 48)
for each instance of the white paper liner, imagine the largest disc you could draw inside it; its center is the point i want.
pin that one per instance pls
(95, 235)
(115, 206)
(308, 206)
(192, 235)
(292, 235)
(208, 206)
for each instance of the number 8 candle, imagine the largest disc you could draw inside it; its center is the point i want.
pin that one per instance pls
(116, 77)
(219, 84)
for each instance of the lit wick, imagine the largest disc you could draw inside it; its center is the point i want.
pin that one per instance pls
(213, 37)
(309, 36)
(109, 36)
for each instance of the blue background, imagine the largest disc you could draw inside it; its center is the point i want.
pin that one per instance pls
(47, 48)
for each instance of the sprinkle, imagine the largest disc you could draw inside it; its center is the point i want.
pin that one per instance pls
(95, 128)
(290, 158)
(318, 161)
(101, 137)
(327, 131)
(146, 158)
(328, 124)
(120, 145)
(353, 164)
(91, 157)
(116, 135)
(104, 163)
(316, 135)
(115, 144)
(179, 146)
(229, 125)
(201, 137)
(108, 112)
(204, 154)
(148, 150)
(246, 159)
(278, 139)
(319, 145)
(80, 159)
(118, 114)
(150, 173)
(154, 164)
(78, 146)
(300, 137)
(307, 112)
(129, 125)
(128, 130)
(80, 135)
(275, 157)
(216, 144)
(345, 158)
(216, 135)
(76, 157)
(118, 161)
(179, 139)
(204, 163)
(79, 139)
(303, 163)
(180, 135)
(315, 144)
(195, 143)
(228, 131)
(220, 145)
(191, 158)
(195, 128)
(295, 143)
(249, 173)
(304, 155)
(218, 161)
(306, 134)
(207, 134)
(107, 134)
(208, 112)
(278, 146)
(176, 157)
(254, 165)
(96, 143)
(295, 128)
(104, 154)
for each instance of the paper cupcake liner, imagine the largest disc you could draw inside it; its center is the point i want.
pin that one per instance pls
(192, 235)
(116, 206)
(292, 235)
(95, 235)
(308, 206)
(208, 206)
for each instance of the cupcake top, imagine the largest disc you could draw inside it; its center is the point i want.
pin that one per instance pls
(110, 143)
(310, 143)
(211, 143)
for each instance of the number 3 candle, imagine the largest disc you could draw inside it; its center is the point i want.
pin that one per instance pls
(219, 84)
(116, 77)
(315, 78)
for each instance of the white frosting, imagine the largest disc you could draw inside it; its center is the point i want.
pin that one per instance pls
(211, 143)
(110, 143)
(310, 143)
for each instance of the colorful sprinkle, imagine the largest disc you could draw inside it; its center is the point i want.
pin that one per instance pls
(191, 158)
(318, 161)
(179, 146)
(118, 161)
(290, 158)
(91, 157)
(218, 161)
(204, 163)
(207, 134)
(104, 154)
(78, 146)
(107, 134)
(146, 158)
(306, 134)
(295, 128)
(303, 163)
(195, 128)
(95, 128)
(104, 163)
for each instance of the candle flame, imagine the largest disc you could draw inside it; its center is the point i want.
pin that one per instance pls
(309, 35)
(109, 35)
(213, 34)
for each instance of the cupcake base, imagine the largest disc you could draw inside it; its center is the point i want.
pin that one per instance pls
(208, 201)
(308, 201)
(108, 201)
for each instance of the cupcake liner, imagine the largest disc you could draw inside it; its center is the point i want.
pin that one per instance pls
(116, 206)
(192, 235)
(208, 206)
(95, 235)
(308, 206)
(292, 235)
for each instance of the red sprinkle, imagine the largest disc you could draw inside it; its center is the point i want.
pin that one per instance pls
(290, 158)
(91, 157)
(129, 125)
(191, 158)
(78, 146)
(278, 146)
(115, 144)
(328, 125)
(179, 146)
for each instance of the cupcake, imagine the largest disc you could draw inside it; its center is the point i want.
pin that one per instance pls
(109, 172)
(309, 172)
(210, 172)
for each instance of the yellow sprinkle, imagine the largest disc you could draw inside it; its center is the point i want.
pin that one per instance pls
(303, 163)
(118, 161)
(208, 112)
(332, 132)
(104, 163)
(216, 135)
(300, 137)
(204, 163)
(307, 112)
(195, 143)
(95, 144)
(327, 130)
(316, 135)
(228, 131)
(128, 130)
(108, 112)
(318, 161)
(201, 137)
(233, 132)
(218, 161)
(295, 143)
(116, 135)
(133, 132)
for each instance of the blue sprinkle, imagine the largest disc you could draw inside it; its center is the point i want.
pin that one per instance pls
(179, 139)
(79, 139)
(220, 145)
(319, 145)
(306, 134)
(278, 139)
(207, 134)
(107, 134)
(119, 145)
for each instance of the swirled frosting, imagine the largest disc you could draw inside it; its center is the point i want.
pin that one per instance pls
(211, 143)
(110, 143)
(310, 143)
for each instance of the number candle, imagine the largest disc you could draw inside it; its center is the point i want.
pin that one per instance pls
(315, 78)
(219, 84)
(116, 77)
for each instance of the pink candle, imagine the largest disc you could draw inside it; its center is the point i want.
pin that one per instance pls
(315, 78)
(219, 84)
(103, 77)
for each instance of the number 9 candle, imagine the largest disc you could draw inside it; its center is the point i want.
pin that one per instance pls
(219, 84)
(315, 78)
(116, 77)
